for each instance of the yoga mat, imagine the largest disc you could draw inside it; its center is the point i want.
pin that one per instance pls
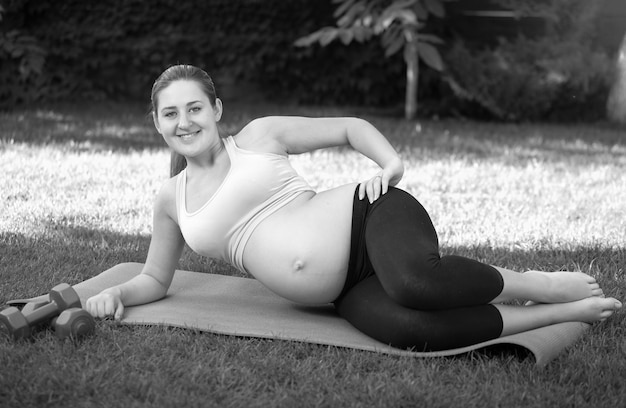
(243, 307)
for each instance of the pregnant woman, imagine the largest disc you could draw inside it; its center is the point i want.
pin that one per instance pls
(368, 248)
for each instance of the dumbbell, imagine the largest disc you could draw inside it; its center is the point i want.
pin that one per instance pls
(19, 324)
(31, 306)
(74, 322)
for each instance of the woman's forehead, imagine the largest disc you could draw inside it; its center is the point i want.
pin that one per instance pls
(181, 92)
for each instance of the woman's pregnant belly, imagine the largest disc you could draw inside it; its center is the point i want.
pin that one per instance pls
(301, 252)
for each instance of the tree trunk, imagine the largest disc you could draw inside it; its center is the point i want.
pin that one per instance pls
(412, 75)
(616, 105)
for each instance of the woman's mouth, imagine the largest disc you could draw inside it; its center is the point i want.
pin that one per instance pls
(188, 135)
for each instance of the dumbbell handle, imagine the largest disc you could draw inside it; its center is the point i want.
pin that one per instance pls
(45, 312)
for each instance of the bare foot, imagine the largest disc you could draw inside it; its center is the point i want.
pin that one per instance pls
(560, 287)
(594, 309)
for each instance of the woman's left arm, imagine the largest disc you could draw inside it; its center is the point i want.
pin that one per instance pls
(294, 135)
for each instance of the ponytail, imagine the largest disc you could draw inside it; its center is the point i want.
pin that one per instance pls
(177, 163)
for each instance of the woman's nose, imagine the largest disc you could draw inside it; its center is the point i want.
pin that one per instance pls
(183, 122)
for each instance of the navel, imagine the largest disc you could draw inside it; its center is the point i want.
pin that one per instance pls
(298, 266)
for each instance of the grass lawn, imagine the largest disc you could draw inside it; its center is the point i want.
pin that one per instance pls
(76, 196)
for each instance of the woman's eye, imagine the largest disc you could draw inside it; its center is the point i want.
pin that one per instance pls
(195, 109)
(169, 114)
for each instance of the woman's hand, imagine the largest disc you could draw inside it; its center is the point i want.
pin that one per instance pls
(378, 185)
(106, 303)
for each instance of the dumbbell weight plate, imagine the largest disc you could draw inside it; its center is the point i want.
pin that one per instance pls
(65, 296)
(74, 322)
(13, 323)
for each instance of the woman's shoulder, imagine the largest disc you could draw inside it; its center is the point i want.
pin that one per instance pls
(259, 135)
(166, 197)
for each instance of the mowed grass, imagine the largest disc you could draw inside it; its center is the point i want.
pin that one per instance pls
(76, 196)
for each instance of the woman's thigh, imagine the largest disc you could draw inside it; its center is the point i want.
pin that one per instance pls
(403, 249)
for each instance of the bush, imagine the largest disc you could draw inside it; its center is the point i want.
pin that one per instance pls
(116, 48)
(557, 74)
(528, 79)
(22, 59)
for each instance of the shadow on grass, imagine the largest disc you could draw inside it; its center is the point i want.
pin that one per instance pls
(94, 127)
(108, 126)
(31, 265)
(69, 253)
(523, 142)
(123, 127)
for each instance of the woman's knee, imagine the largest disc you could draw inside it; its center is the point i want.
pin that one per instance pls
(371, 310)
(421, 292)
(413, 280)
(441, 283)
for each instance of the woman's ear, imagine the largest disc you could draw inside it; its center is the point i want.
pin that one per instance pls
(218, 109)
(156, 122)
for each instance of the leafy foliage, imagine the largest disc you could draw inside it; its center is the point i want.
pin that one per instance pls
(558, 75)
(115, 48)
(22, 60)
(399, 23)
(396, 21)
(531, 79)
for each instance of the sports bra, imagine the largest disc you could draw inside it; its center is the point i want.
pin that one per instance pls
(256, 185)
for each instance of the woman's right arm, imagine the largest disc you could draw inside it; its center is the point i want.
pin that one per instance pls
(156, 276)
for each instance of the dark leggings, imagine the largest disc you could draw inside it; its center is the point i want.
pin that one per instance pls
(400, 291)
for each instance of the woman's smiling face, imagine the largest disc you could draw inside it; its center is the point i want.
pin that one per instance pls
(186, 118)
